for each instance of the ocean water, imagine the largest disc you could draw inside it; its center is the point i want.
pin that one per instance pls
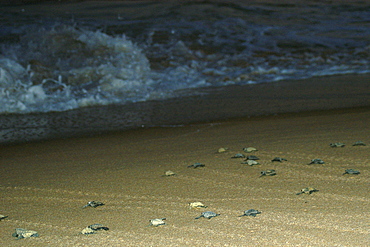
(92, 54)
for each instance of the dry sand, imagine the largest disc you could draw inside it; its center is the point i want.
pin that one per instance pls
(44, 185)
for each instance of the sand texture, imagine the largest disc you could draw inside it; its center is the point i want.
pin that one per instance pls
(44, 185)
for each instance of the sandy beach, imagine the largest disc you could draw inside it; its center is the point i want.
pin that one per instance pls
(45, 184)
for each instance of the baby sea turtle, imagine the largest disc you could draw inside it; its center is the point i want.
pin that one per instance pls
(278, 159)
(157, 222)
(250, 149)
(222, 150)
(317, 161)
(93, 204)
(169, 173)
(197, 205)
(250, 162)
(252, 157)
(3, 217)
(351, 171)
(91, 229)
(208, 215)
(238, 155)
(337, 145)
(250, 212)
(196, 165)
(308, 190)
(359, 143)
(269, 172)
(23, 233)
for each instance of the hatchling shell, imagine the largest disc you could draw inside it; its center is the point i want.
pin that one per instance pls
(196, 165)
(278, 159)
(238, 155)
(91, 229)
(157, 222)
(23, 233)
(250, 149)
(93, 204)
(337, 144)
(308, 190)
(250, 212)
(3, 217)
(252, 157)
(222, 150)
(208, 215)
(359, 143)
(169, 173)
(317, 161)
(197, 205)
(351, 171)
(269, 172)
(250, 162)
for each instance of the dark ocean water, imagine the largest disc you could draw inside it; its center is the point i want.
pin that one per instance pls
(55, 58)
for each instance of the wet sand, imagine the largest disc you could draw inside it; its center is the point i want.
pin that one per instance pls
(45, 184)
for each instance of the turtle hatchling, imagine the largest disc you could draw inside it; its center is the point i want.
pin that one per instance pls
(208, 215)
(337, 145)
(359, 143)
(308, 190)
(250, 162)
(197, 205)
(269, 172)
(91, 229)
(23, 233)
(157, 222)
(222, 150)
(169, 173)
(351, 171)
(93, 204)
(3, 217)
(196, 165)
(316, 161)
(250, 149)
(278, 159)
(250, 212)
(238, 155)
(252, 157)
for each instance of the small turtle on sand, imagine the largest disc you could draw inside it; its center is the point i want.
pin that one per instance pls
(250, 212)
(351, 171)
(252, 157)
(316, 161)
(23, 233)
(359, 143)
(308, 190)
(337, 145)
(197, 205)
(196, 165)
(208, 215)
(222, 150)
(250, 149)
(3, 217)
(238, 155)
(269, 172)
(169, 173)
(278, 159)
(91, 229)
(157, 222)
(93, 204)
(250, 162)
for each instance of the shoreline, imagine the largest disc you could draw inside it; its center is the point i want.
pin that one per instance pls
(213, 104)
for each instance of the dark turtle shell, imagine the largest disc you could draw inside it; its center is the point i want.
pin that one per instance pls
(250, 212)
(208, 215)
(351, 171)
(278, 159)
